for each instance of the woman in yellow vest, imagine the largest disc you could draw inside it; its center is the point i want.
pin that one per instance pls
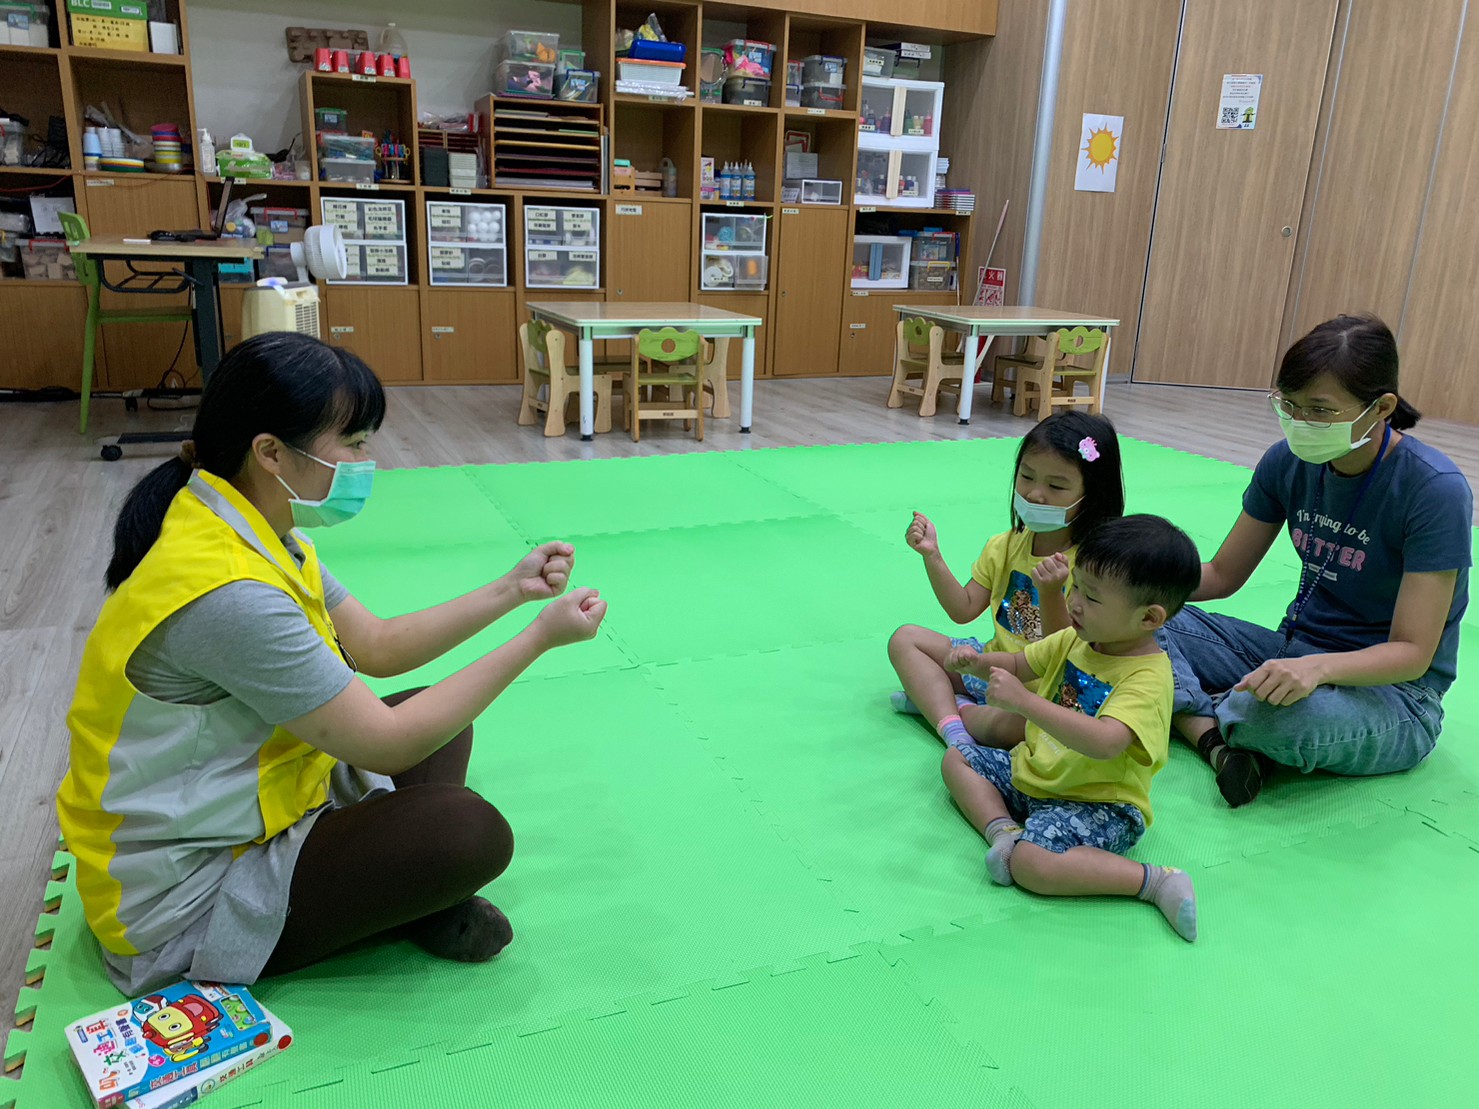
(239, 803)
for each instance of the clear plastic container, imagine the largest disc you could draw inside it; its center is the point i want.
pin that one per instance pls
(385, 263)
(468, 266)
(346, 147)
(733, 270)
(934, 246)
(931, 276)
(652, 73)
(822, 96)
(535, 80)
(567, 269)
(346, 214)
(824, 69)
(734, 231)
(351, 170)
(880, 262)
(530, 46)
(746, 90)
(877, 62)
(384, 220)
(748, 58)
(821, 192)
(466, 224)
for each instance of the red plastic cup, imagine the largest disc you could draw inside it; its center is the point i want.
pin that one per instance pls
(323, 59)
(341, 61)
(403, 66)
(367, 62)
(387, 65)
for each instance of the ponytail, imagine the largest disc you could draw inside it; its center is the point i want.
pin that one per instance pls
(142, 516)
(1404, 415)
(281, 383)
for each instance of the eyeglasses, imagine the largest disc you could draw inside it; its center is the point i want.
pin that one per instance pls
(1314, 416)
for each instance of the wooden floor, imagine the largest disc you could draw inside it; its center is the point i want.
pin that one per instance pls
(58, 501)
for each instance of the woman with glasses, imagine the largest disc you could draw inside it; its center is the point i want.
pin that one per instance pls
(1352, 681)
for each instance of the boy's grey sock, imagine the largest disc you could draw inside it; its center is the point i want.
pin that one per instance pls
(1002, 834)
(1170, 891)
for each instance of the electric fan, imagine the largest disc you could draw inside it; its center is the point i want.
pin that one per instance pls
(273, 304)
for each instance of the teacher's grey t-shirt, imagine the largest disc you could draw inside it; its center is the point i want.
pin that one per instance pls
(1416, 517)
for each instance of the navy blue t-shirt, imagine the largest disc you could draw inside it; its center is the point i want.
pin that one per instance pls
(1416, 517)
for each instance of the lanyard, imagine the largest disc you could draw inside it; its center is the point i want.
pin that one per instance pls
(1308, 584)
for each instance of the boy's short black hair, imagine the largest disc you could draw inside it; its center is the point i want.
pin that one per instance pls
(1150, 556)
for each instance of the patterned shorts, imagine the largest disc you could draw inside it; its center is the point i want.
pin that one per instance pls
(975, 686)
(1056, 825)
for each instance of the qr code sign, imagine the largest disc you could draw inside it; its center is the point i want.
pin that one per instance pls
(1229, 116)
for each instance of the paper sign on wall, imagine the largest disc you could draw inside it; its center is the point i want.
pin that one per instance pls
(991, 287)
(1238, 109)
(1099, 153)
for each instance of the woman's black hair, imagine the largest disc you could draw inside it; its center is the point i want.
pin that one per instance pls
(1063, 433)
(281, 383)
(1359, 352)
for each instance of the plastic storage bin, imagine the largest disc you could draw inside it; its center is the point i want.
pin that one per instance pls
(530, 46)
(877, 62)
(47, 260)
(468, 266)
(824, 69)
(651, 50)
(738, 232)
(569, 269)
(746, 90)
(351, 170)
(743, 272)
(577, 85)
(748, 58)
(934, 277)
(375, 237)
(880, 262)
(822, 96)
(535, 80)
(934, 246)
(821, 192)
(651, 73)
(360, 148)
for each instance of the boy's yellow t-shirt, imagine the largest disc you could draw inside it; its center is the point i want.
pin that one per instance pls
(1005, 568)
(1136, 690)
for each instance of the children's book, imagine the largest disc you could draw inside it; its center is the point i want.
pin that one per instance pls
(141, 1046)
(187, 1091)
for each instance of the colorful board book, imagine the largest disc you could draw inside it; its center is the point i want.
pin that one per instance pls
(142, 1046)
(187, 1091)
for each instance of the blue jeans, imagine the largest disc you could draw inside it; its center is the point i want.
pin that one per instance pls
(1355, 730)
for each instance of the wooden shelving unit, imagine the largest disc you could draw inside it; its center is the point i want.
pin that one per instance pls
(651, 245)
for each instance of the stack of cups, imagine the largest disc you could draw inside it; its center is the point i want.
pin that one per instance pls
(108, 140)
(168, 147)
(92, 149)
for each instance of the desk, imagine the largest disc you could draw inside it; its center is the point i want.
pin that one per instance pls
(592, 320)
(974, 323)
(199, 260)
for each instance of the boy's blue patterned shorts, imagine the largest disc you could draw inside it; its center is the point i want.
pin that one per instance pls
(975, 686)
(1056, 825)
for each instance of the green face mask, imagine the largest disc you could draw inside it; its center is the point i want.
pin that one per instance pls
(347, 494)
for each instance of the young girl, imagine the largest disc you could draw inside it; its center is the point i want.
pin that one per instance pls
(1067, 480)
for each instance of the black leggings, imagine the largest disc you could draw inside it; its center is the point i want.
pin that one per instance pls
(389, 861)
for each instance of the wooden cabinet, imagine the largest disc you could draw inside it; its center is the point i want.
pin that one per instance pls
(649, 250)
(139, 354)
(750, 304)
(810, 281)
(870, 329)
(45, 348)
(468, 337)
(382, 326)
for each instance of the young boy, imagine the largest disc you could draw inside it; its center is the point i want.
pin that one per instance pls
(1061, 806)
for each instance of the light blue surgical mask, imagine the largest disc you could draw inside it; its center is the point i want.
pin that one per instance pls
(347, 494)
(1042, 517)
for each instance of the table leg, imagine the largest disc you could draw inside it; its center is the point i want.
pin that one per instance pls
(588, 388)
(1104, 370)
(968, 378)
(207, 317)
(747, 381)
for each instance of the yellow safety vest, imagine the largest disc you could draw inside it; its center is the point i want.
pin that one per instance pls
(160, 797)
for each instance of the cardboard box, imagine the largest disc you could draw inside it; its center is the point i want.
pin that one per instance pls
(110, 24)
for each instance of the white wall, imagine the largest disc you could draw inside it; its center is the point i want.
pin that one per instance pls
(244, 81)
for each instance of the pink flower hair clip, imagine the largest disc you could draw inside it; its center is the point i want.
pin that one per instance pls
(1088, 450)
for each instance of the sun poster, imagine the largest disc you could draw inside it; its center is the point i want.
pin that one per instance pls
(1098, 153)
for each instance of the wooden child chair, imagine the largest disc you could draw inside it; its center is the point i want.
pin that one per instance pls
(921, 355)
(543, 350)
(716, 376)
(1053, 382)
(90, 276)
(682, 380)
(1005, 367)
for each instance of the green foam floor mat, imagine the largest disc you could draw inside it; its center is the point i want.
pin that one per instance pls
(740, 880)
